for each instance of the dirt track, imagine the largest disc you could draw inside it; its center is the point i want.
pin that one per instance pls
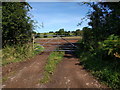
(69, 74)
(29, 74)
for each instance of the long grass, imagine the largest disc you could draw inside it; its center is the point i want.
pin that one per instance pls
(18, 53)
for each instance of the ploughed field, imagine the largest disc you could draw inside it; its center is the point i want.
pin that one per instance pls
(60, 44)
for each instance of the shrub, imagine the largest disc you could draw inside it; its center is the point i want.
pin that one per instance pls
(19, 53)
(103, 62)
(111, 45)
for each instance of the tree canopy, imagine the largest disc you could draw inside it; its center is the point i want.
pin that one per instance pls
(17, 26)
(104, 20)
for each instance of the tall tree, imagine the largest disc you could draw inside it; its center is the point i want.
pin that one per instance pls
(60, 32)
(104, 20)
(16, 24)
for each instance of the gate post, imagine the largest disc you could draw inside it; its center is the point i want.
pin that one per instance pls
(33, 37)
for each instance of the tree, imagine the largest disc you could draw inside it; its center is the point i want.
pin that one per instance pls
(45, 35)
(112, 17)
(78, 32)
(51, 32)
(67, 33)
(0, 15)
(104, 20)
(60, 32)
(17, 26)
(101, 42)
(73, 32)
(33, 32)
(87, 36)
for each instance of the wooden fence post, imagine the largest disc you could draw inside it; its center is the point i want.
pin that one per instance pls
(33, 40)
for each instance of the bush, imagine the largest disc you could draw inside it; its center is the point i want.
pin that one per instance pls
(19, 53)
(102, 61)
(112, 45)
(106, 69)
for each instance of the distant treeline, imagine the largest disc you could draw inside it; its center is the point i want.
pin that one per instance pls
(60, 32)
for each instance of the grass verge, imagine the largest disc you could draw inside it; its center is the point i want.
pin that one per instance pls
(18, 53)
(53, 60)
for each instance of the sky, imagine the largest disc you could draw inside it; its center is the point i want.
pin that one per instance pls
(58, 15)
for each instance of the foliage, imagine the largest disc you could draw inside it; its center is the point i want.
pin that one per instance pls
(53, 60)
(78, 32)
(87, 36)
(37, 35)
(60, 32)
(111, 44)
(45, 35)
(67, 33)
(16, 24)
(51, 32)
(18, 53)
(99, 50)
(38, 48)
(104, 20)
(105, 67)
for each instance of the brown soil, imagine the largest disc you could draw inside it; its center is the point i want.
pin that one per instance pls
(69, 74)
(26, 74)
(54, 42)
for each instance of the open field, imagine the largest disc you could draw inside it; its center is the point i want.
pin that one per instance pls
(56, 42)
(73, 37)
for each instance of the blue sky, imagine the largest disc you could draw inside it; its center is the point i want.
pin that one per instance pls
(57, 15)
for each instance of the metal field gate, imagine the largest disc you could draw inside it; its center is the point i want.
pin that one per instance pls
(58, 43)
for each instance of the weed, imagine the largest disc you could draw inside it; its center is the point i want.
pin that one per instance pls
(105, 68)
(53, 60)
(19, 53)
(5, 78)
